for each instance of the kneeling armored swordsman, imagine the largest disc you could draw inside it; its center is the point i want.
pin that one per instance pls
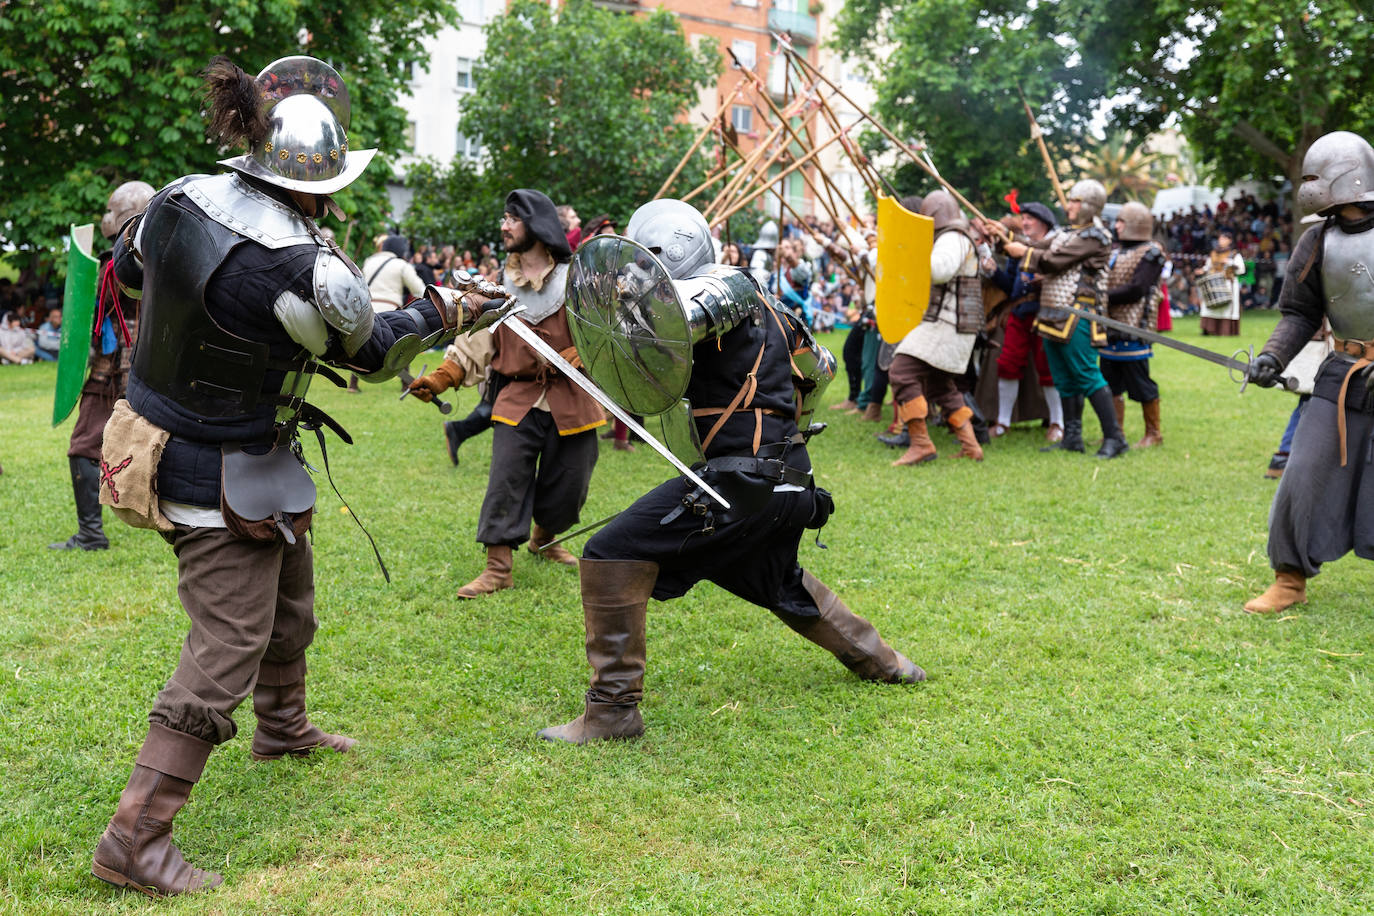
(755, 375)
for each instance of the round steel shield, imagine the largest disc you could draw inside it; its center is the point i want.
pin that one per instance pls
(630, 326)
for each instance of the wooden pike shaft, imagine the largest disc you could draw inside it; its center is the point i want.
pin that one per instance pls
(701, 138)
(748, 160)
(759, 161)
(769, 180)
(892, 138)
(1039, 138)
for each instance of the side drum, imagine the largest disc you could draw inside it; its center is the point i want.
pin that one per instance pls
(1214, 291)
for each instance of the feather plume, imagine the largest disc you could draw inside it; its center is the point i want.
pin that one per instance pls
(234, 104)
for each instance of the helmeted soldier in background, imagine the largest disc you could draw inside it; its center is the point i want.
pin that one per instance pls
(935, 353)
(1133, 297)
(746, 403)
(112, 341)
(244, 299)
(1321, 508)
(1073, 265)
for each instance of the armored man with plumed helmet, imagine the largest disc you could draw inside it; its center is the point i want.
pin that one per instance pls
(243, 299)
(755, 375)
(1320, 509)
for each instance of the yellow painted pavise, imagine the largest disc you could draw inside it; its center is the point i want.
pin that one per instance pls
(905, 240)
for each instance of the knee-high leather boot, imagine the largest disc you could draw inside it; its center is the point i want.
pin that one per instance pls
(1113, 440)
(1152, 437)
(90, 533)
(136, 850)
(283, 727)
(852, 639)
(615, 598)
(919, 447)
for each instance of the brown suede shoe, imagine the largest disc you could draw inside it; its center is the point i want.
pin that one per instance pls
(557, 553)
(1289, 588)
(495, 577)
(1054, 433)
(846, 404)
(1152, 437)
(873, 413)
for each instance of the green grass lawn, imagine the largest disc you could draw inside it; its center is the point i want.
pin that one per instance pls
(1104, 730)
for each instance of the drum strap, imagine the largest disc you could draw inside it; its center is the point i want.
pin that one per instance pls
(1364, 349)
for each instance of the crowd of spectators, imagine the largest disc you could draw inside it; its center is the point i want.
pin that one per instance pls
(1260, 231)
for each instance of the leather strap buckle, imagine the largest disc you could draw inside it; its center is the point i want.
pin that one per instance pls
(1360, 349)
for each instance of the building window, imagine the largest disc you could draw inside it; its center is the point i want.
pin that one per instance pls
(467, 79)
(468, 147)
(742, 118)
(751, 3)
(744, 53)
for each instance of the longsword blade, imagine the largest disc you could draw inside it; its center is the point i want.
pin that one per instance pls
(523, 331)
(1230, 362)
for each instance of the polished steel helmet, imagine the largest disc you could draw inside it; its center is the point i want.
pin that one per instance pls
(306, 147)
(1093, 197)
(768, 236)
(676, 233)
(1337, 170)
(941, 207)
(1137, 223)
(126, 201)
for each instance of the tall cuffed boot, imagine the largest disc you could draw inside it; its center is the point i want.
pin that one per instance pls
(1072, 440)
(615, 598)
(90, 533)
(136, 850)
(852, 639)
(1113, 441)
(980, 422)
(961, 424)
(1152, 437)
(1289, 588)
(919, 447)
(495, 577)
(283, 727)
(557, 553)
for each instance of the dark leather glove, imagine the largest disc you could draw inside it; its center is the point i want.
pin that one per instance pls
(1264, 370)
(448, 375)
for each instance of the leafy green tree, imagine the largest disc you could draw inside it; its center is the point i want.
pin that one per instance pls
(97, 92)
(583, 104)
(1254, 82)
(1124, 167)
(947, 72)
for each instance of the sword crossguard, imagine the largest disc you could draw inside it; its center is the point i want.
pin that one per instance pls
(1249, 354)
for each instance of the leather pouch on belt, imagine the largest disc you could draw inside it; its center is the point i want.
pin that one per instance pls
(263, 497)
(129, 456)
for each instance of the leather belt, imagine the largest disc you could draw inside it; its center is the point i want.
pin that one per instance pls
(1363, 351)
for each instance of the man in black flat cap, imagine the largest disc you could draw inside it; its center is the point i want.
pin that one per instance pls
(544, 446)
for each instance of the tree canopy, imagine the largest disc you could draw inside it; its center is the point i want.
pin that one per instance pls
(97, 92)
(1251, 82)
(581, 103)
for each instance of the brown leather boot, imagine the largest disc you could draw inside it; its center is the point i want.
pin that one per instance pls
(919, 447)
(136, 850)
(495, 577)
(852, 639)
(615, 598)
(963, 431)
(1152, 437)
(283, 727)
(873, 413)
(1289, 588)
(557, 553)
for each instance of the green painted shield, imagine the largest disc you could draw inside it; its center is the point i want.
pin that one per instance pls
(78, 312)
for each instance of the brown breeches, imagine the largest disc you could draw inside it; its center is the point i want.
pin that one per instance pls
(913, 378)
(251, 605)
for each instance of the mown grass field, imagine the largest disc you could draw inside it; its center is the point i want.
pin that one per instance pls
(1104, 730)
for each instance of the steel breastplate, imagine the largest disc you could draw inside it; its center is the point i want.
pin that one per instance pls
(1348, 283)
(181, 352)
